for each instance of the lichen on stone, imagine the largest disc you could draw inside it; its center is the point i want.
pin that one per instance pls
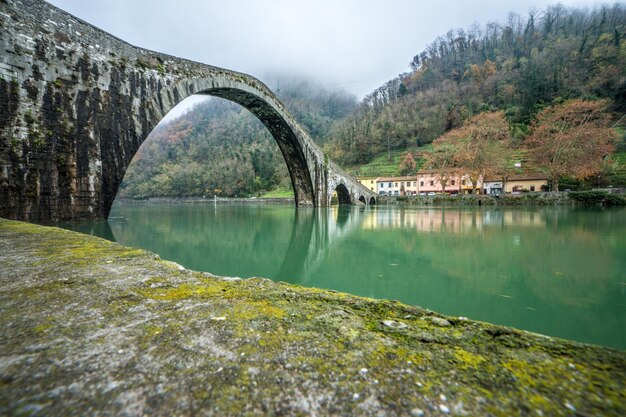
(92, 327)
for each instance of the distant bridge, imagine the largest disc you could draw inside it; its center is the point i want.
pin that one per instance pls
(76, 103)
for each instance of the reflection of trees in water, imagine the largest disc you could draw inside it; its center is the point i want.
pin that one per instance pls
(250, 239)
(469, 262)
(570, 266)
(274, 242)
(100, 228)
(558, 254)
(315, 234)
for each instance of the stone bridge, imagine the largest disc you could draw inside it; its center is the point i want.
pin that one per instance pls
(76, 103)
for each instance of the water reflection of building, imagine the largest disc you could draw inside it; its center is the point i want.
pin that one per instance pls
(449, 221)
(429, 220)
(517, 218)
(317, 233)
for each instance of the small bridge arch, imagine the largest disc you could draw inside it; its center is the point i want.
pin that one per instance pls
(343, 195)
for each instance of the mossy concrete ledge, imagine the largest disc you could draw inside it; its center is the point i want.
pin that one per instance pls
(89, 327)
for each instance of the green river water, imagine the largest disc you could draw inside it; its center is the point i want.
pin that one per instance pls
(556, 271)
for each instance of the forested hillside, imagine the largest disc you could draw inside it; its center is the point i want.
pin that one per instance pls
(520, 67)
(219, 147)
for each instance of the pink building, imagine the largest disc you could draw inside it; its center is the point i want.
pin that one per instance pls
(428, 182)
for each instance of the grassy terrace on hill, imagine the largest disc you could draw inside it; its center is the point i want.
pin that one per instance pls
(619, 177)
(387, 164)
(89, 327)
(279, 193)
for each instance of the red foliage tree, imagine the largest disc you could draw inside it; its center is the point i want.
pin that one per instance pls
(572, 139)
(407, 166)
(478, 147)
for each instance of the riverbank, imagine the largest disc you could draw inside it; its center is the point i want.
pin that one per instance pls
(563, 198)
(91, 327)
(205, 200)
(522, 199)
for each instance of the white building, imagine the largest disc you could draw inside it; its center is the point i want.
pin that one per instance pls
(396, 185)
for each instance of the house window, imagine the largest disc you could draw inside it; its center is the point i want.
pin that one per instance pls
(463, 182)
(421, 183)
(532, 188)
(432, 183)
(453, 182)
(396, 184)
(414, 183)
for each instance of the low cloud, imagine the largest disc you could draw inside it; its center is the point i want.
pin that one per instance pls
(354, 45)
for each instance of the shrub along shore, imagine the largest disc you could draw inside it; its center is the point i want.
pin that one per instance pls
(89, 327)
(577, 198)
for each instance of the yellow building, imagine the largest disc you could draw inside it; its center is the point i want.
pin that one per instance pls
(525, 182)
(468, 188)
(370, 183)
(516, 184)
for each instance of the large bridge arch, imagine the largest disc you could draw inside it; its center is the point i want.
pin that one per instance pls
(76, 103)
(300, 153)
(292, 148)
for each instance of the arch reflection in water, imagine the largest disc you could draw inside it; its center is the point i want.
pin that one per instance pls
(314, 237)
(100, 228)
(553, 271)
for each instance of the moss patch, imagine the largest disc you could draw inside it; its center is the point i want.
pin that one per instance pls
(90, 325)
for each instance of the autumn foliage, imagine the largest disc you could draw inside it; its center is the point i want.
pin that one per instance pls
(572, 139)
(407, 166)
(442, 160)
(518, 66)
(476, 149)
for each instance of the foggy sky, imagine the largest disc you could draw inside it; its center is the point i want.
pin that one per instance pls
(354, 45)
